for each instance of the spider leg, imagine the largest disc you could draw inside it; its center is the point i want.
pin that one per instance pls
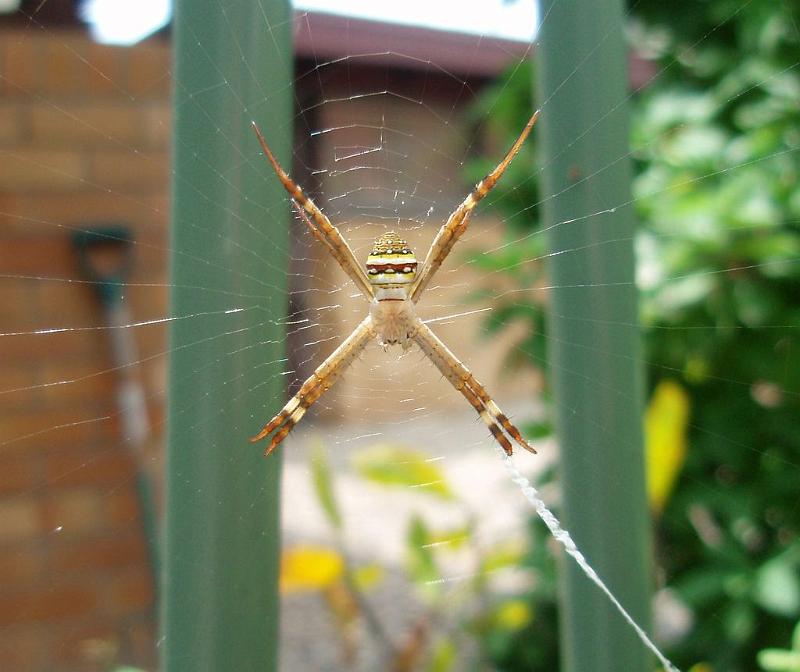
(457, 222)
(323, 378)
(494, 428)
(462, 379)
(319, 224)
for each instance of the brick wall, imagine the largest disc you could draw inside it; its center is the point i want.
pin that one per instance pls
(84, 135)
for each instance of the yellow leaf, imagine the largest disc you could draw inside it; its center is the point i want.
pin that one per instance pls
(513, 615)
(306, 568)
(701, 667)
(368, 576)
(666, 421)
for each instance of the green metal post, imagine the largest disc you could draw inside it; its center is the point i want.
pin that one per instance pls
(595, 358)
(233, 64)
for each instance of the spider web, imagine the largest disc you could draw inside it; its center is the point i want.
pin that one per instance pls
(381, 140)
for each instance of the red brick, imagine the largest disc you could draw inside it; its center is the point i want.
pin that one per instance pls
(160, 204)
(18, 298)
(123, 507)
(50, 256)
(19, 392)
(24, 648)
(56, 213)
(92, 381)
(22, 564)
(150, 69)
(152, 300)
(152, 347)
(141, 643)
(108, 71)
(99, 554)
(130, 592)
(157, 119)
(158, 412)
(87, 647)
(109, 125)
(11, 128)
(78, 474)
(21, 432)
(127, 172)
(82, 467)
(75, 512)
(40, 169)
(66, 71)
(19, 518)
(18, 474)
(23, 399)
(57, 602)
(20, 61)
(68, 304)
(48, 346)
(154, 375)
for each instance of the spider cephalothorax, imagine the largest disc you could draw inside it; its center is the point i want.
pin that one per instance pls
(392, 285)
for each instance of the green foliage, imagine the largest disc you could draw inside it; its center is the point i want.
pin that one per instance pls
(489, 620)
(503, 109)
(716, 142)
(782, 660)
(388, 464)
(443, 656)
(537, 647)
(321, 472)
(421, 563)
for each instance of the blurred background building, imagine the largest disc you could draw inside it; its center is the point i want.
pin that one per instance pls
(85, 140)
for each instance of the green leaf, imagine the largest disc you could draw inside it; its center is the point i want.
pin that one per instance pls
(777, 660)
(538, 430)
(501, 556)
(443, 656)
(368, 576)
(323, 485)
(450, 540)
(777, 586)
(512, 615)
(393, 465)
(421, 563)
(739, 622)
(701, 587)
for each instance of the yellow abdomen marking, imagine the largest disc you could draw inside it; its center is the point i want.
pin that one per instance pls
(391, 262)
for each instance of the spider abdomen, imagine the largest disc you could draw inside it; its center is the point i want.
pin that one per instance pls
(391, 264)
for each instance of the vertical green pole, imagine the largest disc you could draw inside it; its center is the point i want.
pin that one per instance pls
(594, 342)
(233, 64)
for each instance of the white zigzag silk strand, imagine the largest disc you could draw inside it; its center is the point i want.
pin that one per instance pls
(563, 537)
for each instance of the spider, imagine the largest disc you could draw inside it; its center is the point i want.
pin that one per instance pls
(392, 284)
